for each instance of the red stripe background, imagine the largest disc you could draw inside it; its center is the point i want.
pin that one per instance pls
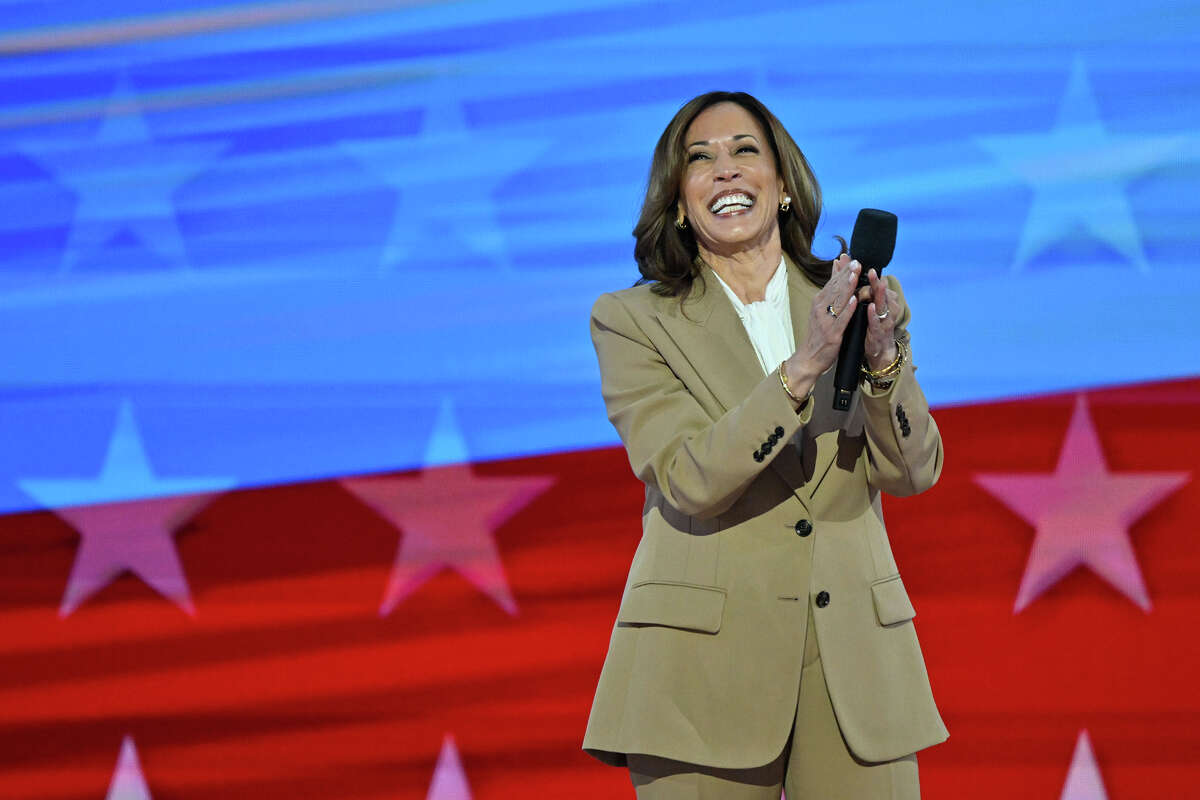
(288, 682)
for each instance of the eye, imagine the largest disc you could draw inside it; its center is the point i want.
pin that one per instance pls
(747, 148)
(696, 156)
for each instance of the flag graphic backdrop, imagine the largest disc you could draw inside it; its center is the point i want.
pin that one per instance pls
(307, 490)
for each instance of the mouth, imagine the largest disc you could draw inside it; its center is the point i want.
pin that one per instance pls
(731, 203)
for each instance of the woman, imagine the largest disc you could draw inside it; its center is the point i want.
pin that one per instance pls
(764, 639)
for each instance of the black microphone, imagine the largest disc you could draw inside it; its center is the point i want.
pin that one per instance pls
(872, 244)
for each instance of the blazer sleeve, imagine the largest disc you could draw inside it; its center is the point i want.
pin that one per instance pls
(700, 465)
(904, 446)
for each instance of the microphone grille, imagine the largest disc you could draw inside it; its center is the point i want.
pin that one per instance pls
(874, 238)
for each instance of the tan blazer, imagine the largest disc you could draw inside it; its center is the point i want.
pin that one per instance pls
(705, 657)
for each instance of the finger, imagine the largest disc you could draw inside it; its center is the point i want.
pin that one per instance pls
(887, 302)
(851, 282)
(838, 291)
(840, 265)
(825, 292)
(841, 286)
(870, 294)
(879, 291)
(881, 328)
(875, 330)
(867, 293)
(844, 316)
(890, 313)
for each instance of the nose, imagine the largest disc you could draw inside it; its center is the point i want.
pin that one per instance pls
(724, 169)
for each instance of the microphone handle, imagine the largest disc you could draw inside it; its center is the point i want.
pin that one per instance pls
(850, 359)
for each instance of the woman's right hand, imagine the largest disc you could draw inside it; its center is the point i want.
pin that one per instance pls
(820, 348)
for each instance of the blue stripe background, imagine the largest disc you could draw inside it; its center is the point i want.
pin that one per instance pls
(289, 245)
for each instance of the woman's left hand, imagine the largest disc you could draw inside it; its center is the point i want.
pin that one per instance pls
(882, 312)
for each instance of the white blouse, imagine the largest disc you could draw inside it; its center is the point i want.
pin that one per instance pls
(768, 322)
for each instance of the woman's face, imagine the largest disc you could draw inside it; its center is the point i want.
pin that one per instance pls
(731, 189)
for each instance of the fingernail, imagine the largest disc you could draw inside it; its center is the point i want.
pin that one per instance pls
(855, 265)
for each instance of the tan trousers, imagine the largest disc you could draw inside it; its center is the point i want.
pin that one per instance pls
(815, 763)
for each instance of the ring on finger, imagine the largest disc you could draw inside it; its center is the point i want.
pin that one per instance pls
(883, 316)
(830, 311)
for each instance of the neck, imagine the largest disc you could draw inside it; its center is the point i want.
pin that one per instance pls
(746, 272)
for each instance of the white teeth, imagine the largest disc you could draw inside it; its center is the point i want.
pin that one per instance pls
(731, 202)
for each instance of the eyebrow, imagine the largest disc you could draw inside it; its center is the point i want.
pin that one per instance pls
(735, 138)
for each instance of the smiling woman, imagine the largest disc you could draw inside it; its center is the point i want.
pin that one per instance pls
(764, 639)
(727, 175)
(685, 155)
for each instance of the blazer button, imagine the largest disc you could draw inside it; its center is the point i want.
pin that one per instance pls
(822, 599)
(778, 431)
(767, 447)
(758, 456)
(803, 527)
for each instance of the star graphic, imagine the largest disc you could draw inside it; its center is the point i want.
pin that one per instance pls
(128, 783)
(1083, 777)
(447, 516)
(449, 779)
(125, 517)
(1081, 513)
(1077, 172)
(125, 181)
(445, 179)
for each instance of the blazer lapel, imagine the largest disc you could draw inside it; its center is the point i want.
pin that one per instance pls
(803, 465)
(800, 296)
(712, 338)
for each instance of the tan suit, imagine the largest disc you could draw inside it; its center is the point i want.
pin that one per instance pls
(705, 660)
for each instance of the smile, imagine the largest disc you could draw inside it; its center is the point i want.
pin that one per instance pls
(729, 204)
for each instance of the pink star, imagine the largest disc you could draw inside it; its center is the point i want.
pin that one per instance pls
(1083, 777)
(126, 517)
(449, 779)
(135, 536)
(448, 516)
(128, 783)
(1082, 513)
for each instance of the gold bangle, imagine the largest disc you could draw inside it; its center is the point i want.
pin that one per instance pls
(788, 389)
(891, 370)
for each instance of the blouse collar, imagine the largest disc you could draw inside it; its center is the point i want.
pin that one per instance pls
(776, 294)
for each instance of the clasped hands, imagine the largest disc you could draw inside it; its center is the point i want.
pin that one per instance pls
(831, 311)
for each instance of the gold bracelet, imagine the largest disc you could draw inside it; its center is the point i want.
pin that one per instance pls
(885, 375)
(788, 389)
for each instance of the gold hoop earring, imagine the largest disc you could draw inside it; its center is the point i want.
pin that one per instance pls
(681, 223)
(785, 205)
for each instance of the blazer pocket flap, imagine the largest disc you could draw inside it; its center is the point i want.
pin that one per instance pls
(674, 605)
(891, 601)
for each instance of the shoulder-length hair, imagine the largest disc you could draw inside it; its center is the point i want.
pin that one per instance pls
(668, 256)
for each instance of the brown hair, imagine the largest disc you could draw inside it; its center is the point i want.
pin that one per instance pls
(666, 255)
